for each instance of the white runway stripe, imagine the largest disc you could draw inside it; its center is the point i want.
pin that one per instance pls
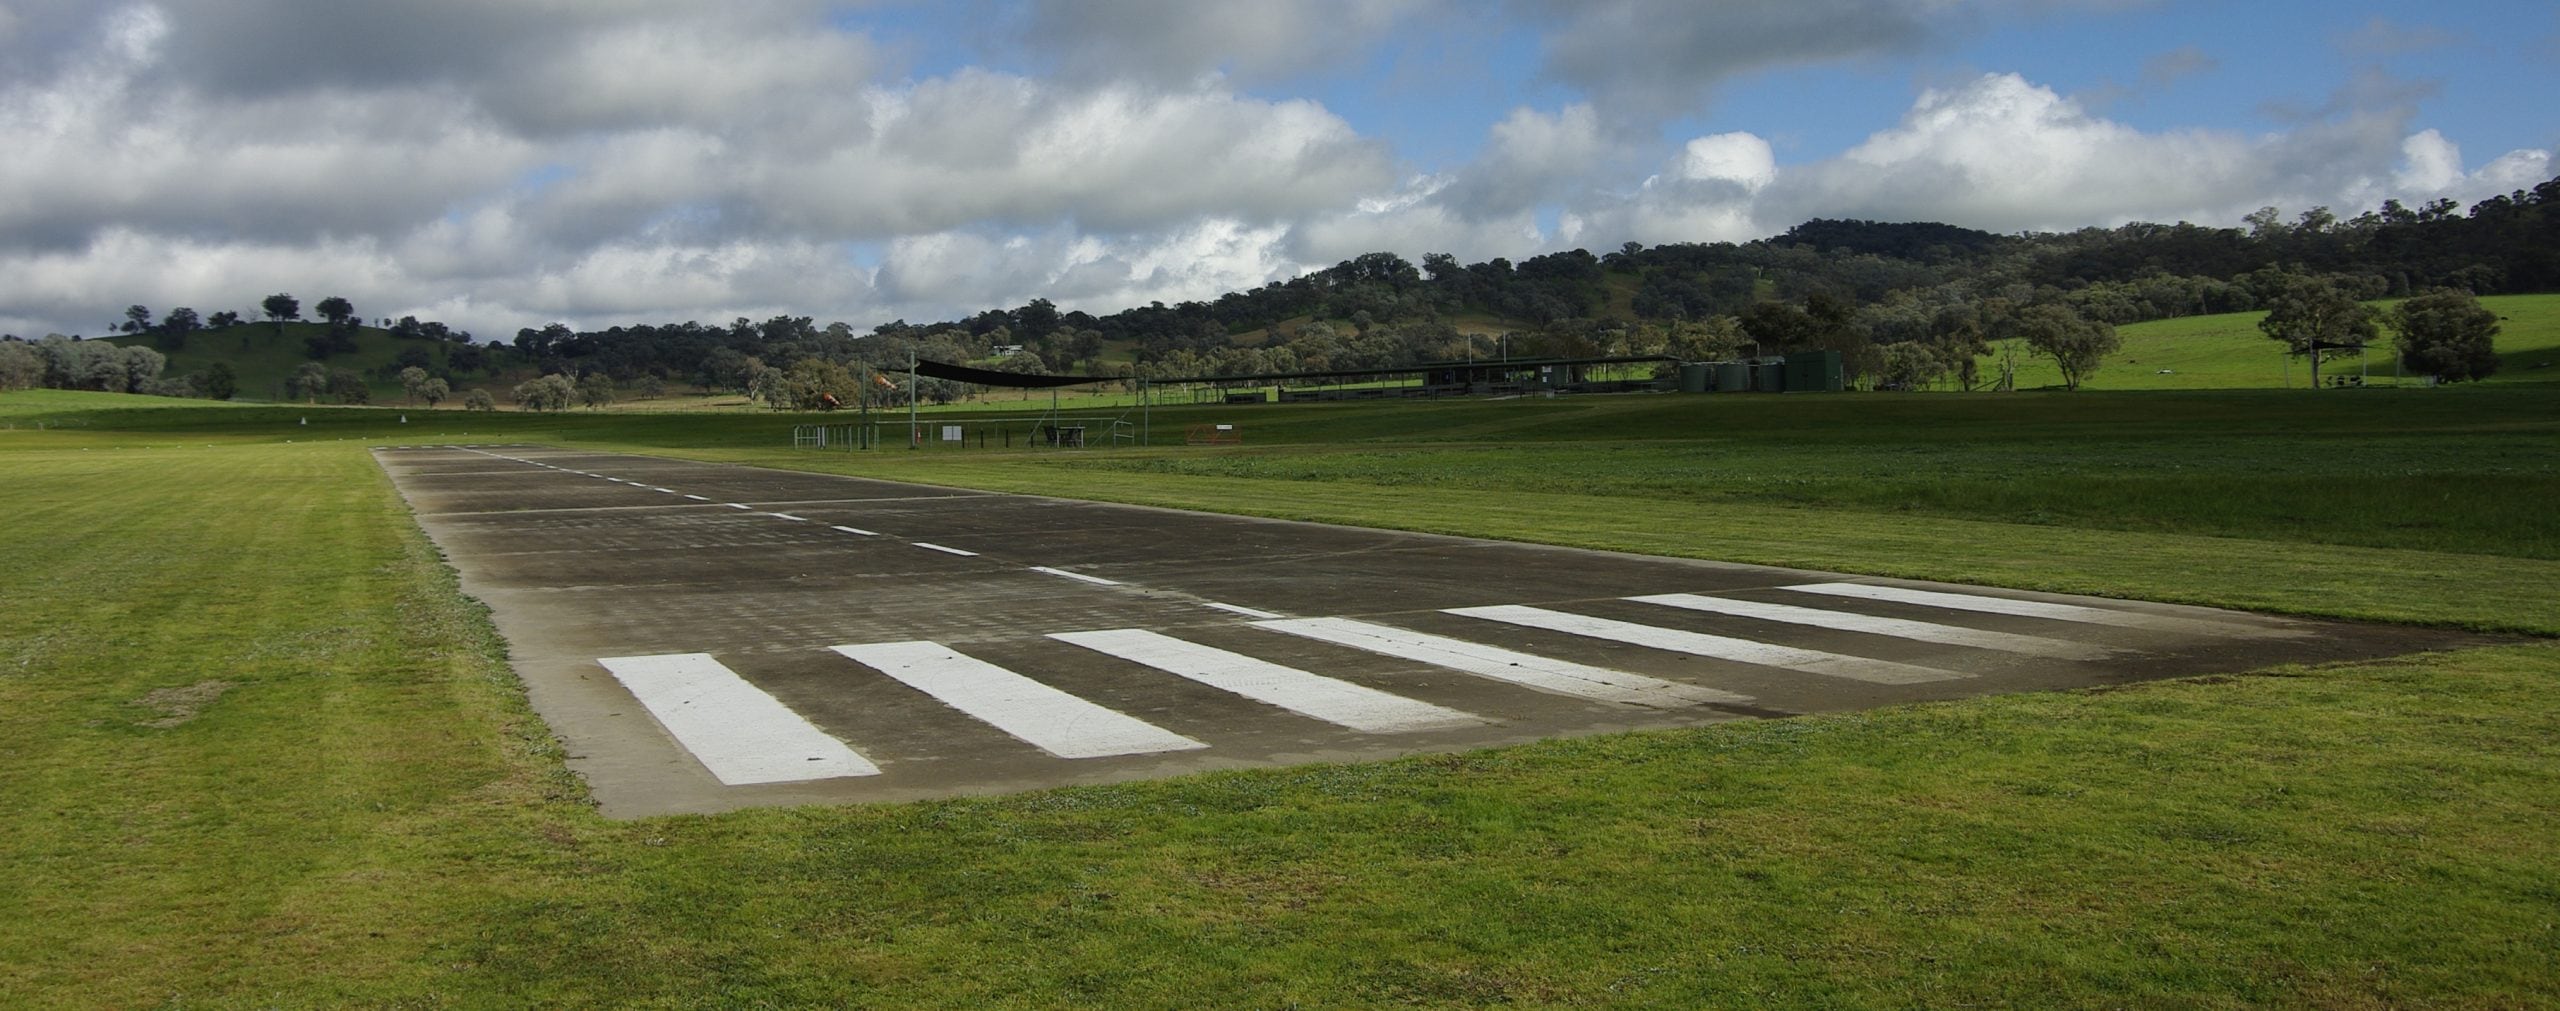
(1358, 707)
(1049, 719)
(2035, 609)
(1561, 677)
(1900, 628)
(1719, 647)
(733, 728)
(1081, 577)
(1233, 609)
(944, 550)
(857, 531)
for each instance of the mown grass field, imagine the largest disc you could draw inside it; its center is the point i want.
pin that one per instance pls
(262, 754)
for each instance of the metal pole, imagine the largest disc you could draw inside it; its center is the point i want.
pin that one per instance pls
(915, 437)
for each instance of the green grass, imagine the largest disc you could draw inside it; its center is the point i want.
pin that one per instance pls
(2229, 352)
(368, 814)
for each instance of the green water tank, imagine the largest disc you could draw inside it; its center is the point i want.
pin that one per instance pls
(1733, 377)
(1695, 377)
(1814, 371)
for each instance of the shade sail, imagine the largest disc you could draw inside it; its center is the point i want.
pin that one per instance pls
(991, 377)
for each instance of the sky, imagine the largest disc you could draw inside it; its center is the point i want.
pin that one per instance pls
(498, 164)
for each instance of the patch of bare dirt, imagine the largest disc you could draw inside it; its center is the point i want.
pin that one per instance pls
(178, 705)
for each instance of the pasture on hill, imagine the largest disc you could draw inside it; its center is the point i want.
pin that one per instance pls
(2228, 351)
(262, 752)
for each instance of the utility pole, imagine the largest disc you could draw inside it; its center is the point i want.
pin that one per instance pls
(915, 436)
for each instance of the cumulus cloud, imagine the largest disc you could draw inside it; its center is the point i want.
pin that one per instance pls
(2003, 154)
(496, 164)
(1181, 41)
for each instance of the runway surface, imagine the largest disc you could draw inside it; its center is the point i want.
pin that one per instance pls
(705, 637)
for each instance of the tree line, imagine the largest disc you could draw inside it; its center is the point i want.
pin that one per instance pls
(1907, 305)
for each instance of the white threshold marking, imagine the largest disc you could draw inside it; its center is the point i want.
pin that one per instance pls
(697, 498)
(1358, 707)
(1900, 628)
(2036, 609)
(857, 531)
(739, 733)
(1096, 580)
(1246, 611)
(739, 505)
(1044, 717)
(1810, 661)
(788, 516)
(1560, 677)
(940, 548)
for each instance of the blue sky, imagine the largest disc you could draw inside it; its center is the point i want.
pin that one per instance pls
(504, 164)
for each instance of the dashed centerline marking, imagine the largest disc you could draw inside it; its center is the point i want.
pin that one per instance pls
(788, 516)
(739, 505)
(1096, 580)
(940, 548)
(697, 498)
(856, 531)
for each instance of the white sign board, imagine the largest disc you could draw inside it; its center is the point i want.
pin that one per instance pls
(950, 433)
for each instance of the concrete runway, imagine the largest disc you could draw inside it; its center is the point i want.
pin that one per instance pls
(706, 637)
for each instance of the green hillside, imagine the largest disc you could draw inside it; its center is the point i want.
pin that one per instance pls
(263, 355)
(2229, 352)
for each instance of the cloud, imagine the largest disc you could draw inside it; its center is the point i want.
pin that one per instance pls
(2003, 154)
(1097, 274)
(100, 147)
(2177, 65)
(1528, 159)
(1179, 42)
(2380, 36)
(1647, 60)
(495, 163)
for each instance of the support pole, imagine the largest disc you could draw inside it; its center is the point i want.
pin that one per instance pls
(915, 436)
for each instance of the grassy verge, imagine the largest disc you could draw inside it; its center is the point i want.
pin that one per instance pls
(364, 811)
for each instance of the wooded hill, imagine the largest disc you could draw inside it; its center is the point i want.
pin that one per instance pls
(1887, 295)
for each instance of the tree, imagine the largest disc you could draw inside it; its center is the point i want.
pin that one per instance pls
(308, 381)
(434, 391)
(136, 319)
(2314, 316)
(348, 387)
(2446, 334)
(412, 379)
(174, 329)
(218, 381)
(224, 318)
(281, 307)
(546, 393)
(2075, 343)
(335, 310)
(20, 366)
(478, 400)
(595, 390)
